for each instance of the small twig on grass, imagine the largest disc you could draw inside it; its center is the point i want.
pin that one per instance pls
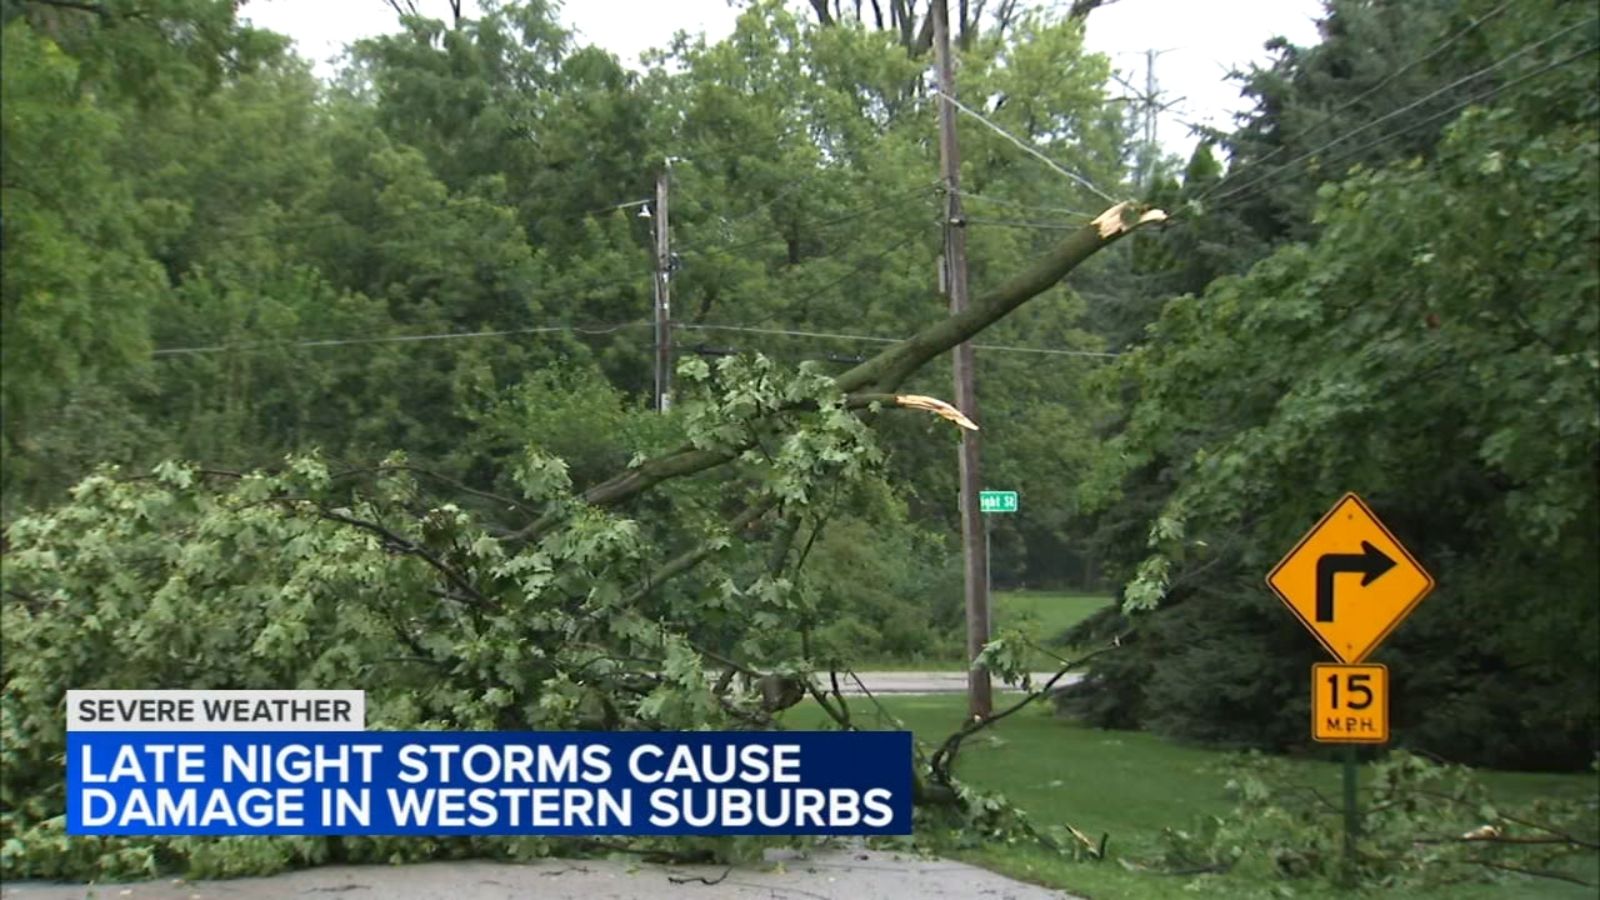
(1209, 869)
(1495, 839)
(1096, 851)
(668, 857)
(1319, 796)
(1537, 873)
(1565, 837)
(701, 878)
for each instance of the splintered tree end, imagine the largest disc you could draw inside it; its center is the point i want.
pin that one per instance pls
(1125, 216)
(935, 405)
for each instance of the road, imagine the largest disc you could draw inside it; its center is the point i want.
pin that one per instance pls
(842, 873)
(855, 874)
(933, 682)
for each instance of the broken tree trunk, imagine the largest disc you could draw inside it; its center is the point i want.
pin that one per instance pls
(885, 372)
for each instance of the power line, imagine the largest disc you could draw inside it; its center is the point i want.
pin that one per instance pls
(1403, 109)
(1485, 95)
(458, 205)
(1384, 82)
(590, 286)
(859, 212)
(768, 204)
(1060, 210)
(858, 270)
(397, 338)
(1456, 107)
(1019, 223)
(592, 330)
(615, 206)
(1027, 148)
(877, 339)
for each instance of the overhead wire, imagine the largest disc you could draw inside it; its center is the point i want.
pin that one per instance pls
(902, 197)
(860, 268)
(1027, 148)
(767, 204)
(597, 330)
(1449, 110)
(878, 339)
(589, 286)
(397, 338)
(855, 272)
(453, 205)
(1021, 223)
(1446, 44)
(1525, 49)
(1014, 204)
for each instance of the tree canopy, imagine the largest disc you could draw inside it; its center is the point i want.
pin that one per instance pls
(345, 383)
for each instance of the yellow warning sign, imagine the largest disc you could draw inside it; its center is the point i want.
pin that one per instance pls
(1349, 704)
(1350, 581)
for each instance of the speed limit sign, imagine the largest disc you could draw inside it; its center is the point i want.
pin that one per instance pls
(1350, 704)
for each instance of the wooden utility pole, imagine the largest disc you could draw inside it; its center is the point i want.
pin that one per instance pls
(974, 547)
(663, 315)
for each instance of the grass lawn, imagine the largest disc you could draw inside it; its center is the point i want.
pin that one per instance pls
(1042, 615)
(1045, 615)
(1131, 785)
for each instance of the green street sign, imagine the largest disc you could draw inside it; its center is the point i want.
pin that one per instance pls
(997, 501)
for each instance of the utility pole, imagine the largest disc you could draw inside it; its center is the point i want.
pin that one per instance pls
(663, 315)
(1149, 116)
(1150, 106)
(974, 546)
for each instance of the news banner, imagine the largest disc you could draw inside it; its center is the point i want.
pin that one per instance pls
(240, 763)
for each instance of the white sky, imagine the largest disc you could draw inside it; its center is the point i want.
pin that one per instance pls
(1203, 38)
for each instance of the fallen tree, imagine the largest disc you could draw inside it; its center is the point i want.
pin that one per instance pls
(380, 577)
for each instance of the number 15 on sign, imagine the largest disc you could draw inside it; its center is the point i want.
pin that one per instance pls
(1349, 704)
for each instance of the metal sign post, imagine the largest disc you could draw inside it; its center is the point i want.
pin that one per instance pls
(1350, 701)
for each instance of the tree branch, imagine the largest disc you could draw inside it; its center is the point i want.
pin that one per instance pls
(884, 373)
(940, 765)
(440, 477)
(408, 547)
(889, 369)
(691, 558)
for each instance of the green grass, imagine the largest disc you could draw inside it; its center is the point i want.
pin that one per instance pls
(1042, 615)
(1130, 785)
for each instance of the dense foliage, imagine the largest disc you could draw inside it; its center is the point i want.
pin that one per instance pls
(1434, 343)
(1421, 825)
(397, 328)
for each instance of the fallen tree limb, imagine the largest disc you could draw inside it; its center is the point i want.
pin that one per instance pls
(884, 373)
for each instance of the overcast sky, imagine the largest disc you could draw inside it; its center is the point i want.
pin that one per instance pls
(1202, 39)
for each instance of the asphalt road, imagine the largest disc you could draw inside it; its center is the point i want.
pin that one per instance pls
(933, 682)
(843, 874)
(836, 873)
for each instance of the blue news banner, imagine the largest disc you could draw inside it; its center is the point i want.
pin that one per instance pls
(488, 783)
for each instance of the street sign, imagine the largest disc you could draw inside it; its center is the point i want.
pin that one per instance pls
(1349, 704)
(1350, 616)
(997, 501)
